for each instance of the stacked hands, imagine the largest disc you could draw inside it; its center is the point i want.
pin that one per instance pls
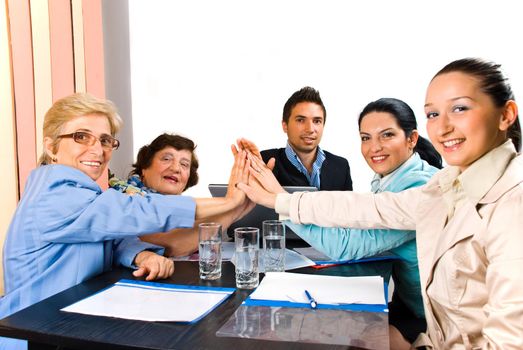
(258, 182)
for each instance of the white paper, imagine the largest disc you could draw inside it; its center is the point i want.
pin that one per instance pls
(293, 260)
(150, 303)
(313, 254)
(287, 286)
(227, 253)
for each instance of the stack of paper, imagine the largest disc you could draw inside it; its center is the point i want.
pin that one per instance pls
(293, 260)
(286, 289)
(149, 301)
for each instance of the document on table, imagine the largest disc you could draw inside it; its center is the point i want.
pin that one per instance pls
(326, 290)
(150, 301)
(293, 260)
(227, 253)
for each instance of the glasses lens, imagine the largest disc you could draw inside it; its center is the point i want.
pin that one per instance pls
(107, 142)
(83, 138)
(116, 144)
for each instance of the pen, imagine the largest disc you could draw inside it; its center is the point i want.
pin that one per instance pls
(311, 300)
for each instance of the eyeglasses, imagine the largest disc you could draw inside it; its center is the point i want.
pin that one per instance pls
(84, 138)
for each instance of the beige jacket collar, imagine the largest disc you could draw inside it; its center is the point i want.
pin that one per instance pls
(483, 182)
(479, 178)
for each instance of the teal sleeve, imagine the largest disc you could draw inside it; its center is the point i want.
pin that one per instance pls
(349, 244)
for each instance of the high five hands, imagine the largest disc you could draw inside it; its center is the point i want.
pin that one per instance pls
(262, 186)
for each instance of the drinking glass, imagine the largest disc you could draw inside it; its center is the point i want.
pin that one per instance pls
(274, 245)
(210, 250)
(246, 242)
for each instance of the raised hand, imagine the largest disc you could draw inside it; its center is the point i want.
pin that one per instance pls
(239, 173)
(251, 148)
(261, 172)
(256, 193)
(262, 186)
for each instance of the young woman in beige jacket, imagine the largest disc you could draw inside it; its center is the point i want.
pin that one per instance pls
(468, 217)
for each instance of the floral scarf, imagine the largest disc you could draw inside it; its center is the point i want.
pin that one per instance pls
(133, 185)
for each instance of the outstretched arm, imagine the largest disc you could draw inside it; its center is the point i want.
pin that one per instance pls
(209, 207)
(263, 186)
(348, 243)
(181, 242)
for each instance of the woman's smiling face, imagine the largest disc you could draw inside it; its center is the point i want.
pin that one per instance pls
(384, 144)
(169, 171)
(91, 159)
(463, 122)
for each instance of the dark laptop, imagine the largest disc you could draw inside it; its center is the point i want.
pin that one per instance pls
(260, 213)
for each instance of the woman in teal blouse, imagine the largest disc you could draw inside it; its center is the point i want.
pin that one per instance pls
(401, 159)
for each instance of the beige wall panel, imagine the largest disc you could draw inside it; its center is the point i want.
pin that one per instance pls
(78, 46)
(42, 66)
(8, 166)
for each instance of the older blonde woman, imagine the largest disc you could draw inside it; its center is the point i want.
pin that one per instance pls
(67, 230)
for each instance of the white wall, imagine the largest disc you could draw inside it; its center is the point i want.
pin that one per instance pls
(217, 70)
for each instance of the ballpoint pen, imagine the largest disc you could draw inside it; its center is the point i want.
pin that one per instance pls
(313, 302)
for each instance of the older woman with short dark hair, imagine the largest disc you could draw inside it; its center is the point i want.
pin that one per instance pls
(168, 165)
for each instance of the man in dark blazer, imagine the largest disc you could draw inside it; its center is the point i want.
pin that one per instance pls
(303, 162)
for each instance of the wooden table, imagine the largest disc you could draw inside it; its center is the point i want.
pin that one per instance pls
(45, 326)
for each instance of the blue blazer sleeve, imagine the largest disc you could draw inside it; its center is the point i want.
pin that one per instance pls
(125, 250)
(71, 208)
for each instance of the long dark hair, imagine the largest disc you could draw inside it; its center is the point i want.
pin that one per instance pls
(406, 119)
(492, 82)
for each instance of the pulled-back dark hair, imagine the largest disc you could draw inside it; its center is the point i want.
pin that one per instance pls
(147, 153)
(306, 94)
(406, 120)
(492, 82)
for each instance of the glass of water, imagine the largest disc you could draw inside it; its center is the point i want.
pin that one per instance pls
(274, 245)
(247, 247)
(210, 250)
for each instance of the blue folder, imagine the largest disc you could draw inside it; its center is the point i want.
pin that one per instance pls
(351, 307)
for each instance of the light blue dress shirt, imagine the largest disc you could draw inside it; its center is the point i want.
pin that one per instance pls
(347, 243)
(67, 230)
(314, 176)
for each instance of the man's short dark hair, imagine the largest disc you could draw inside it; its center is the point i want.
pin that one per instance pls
(306, 94)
